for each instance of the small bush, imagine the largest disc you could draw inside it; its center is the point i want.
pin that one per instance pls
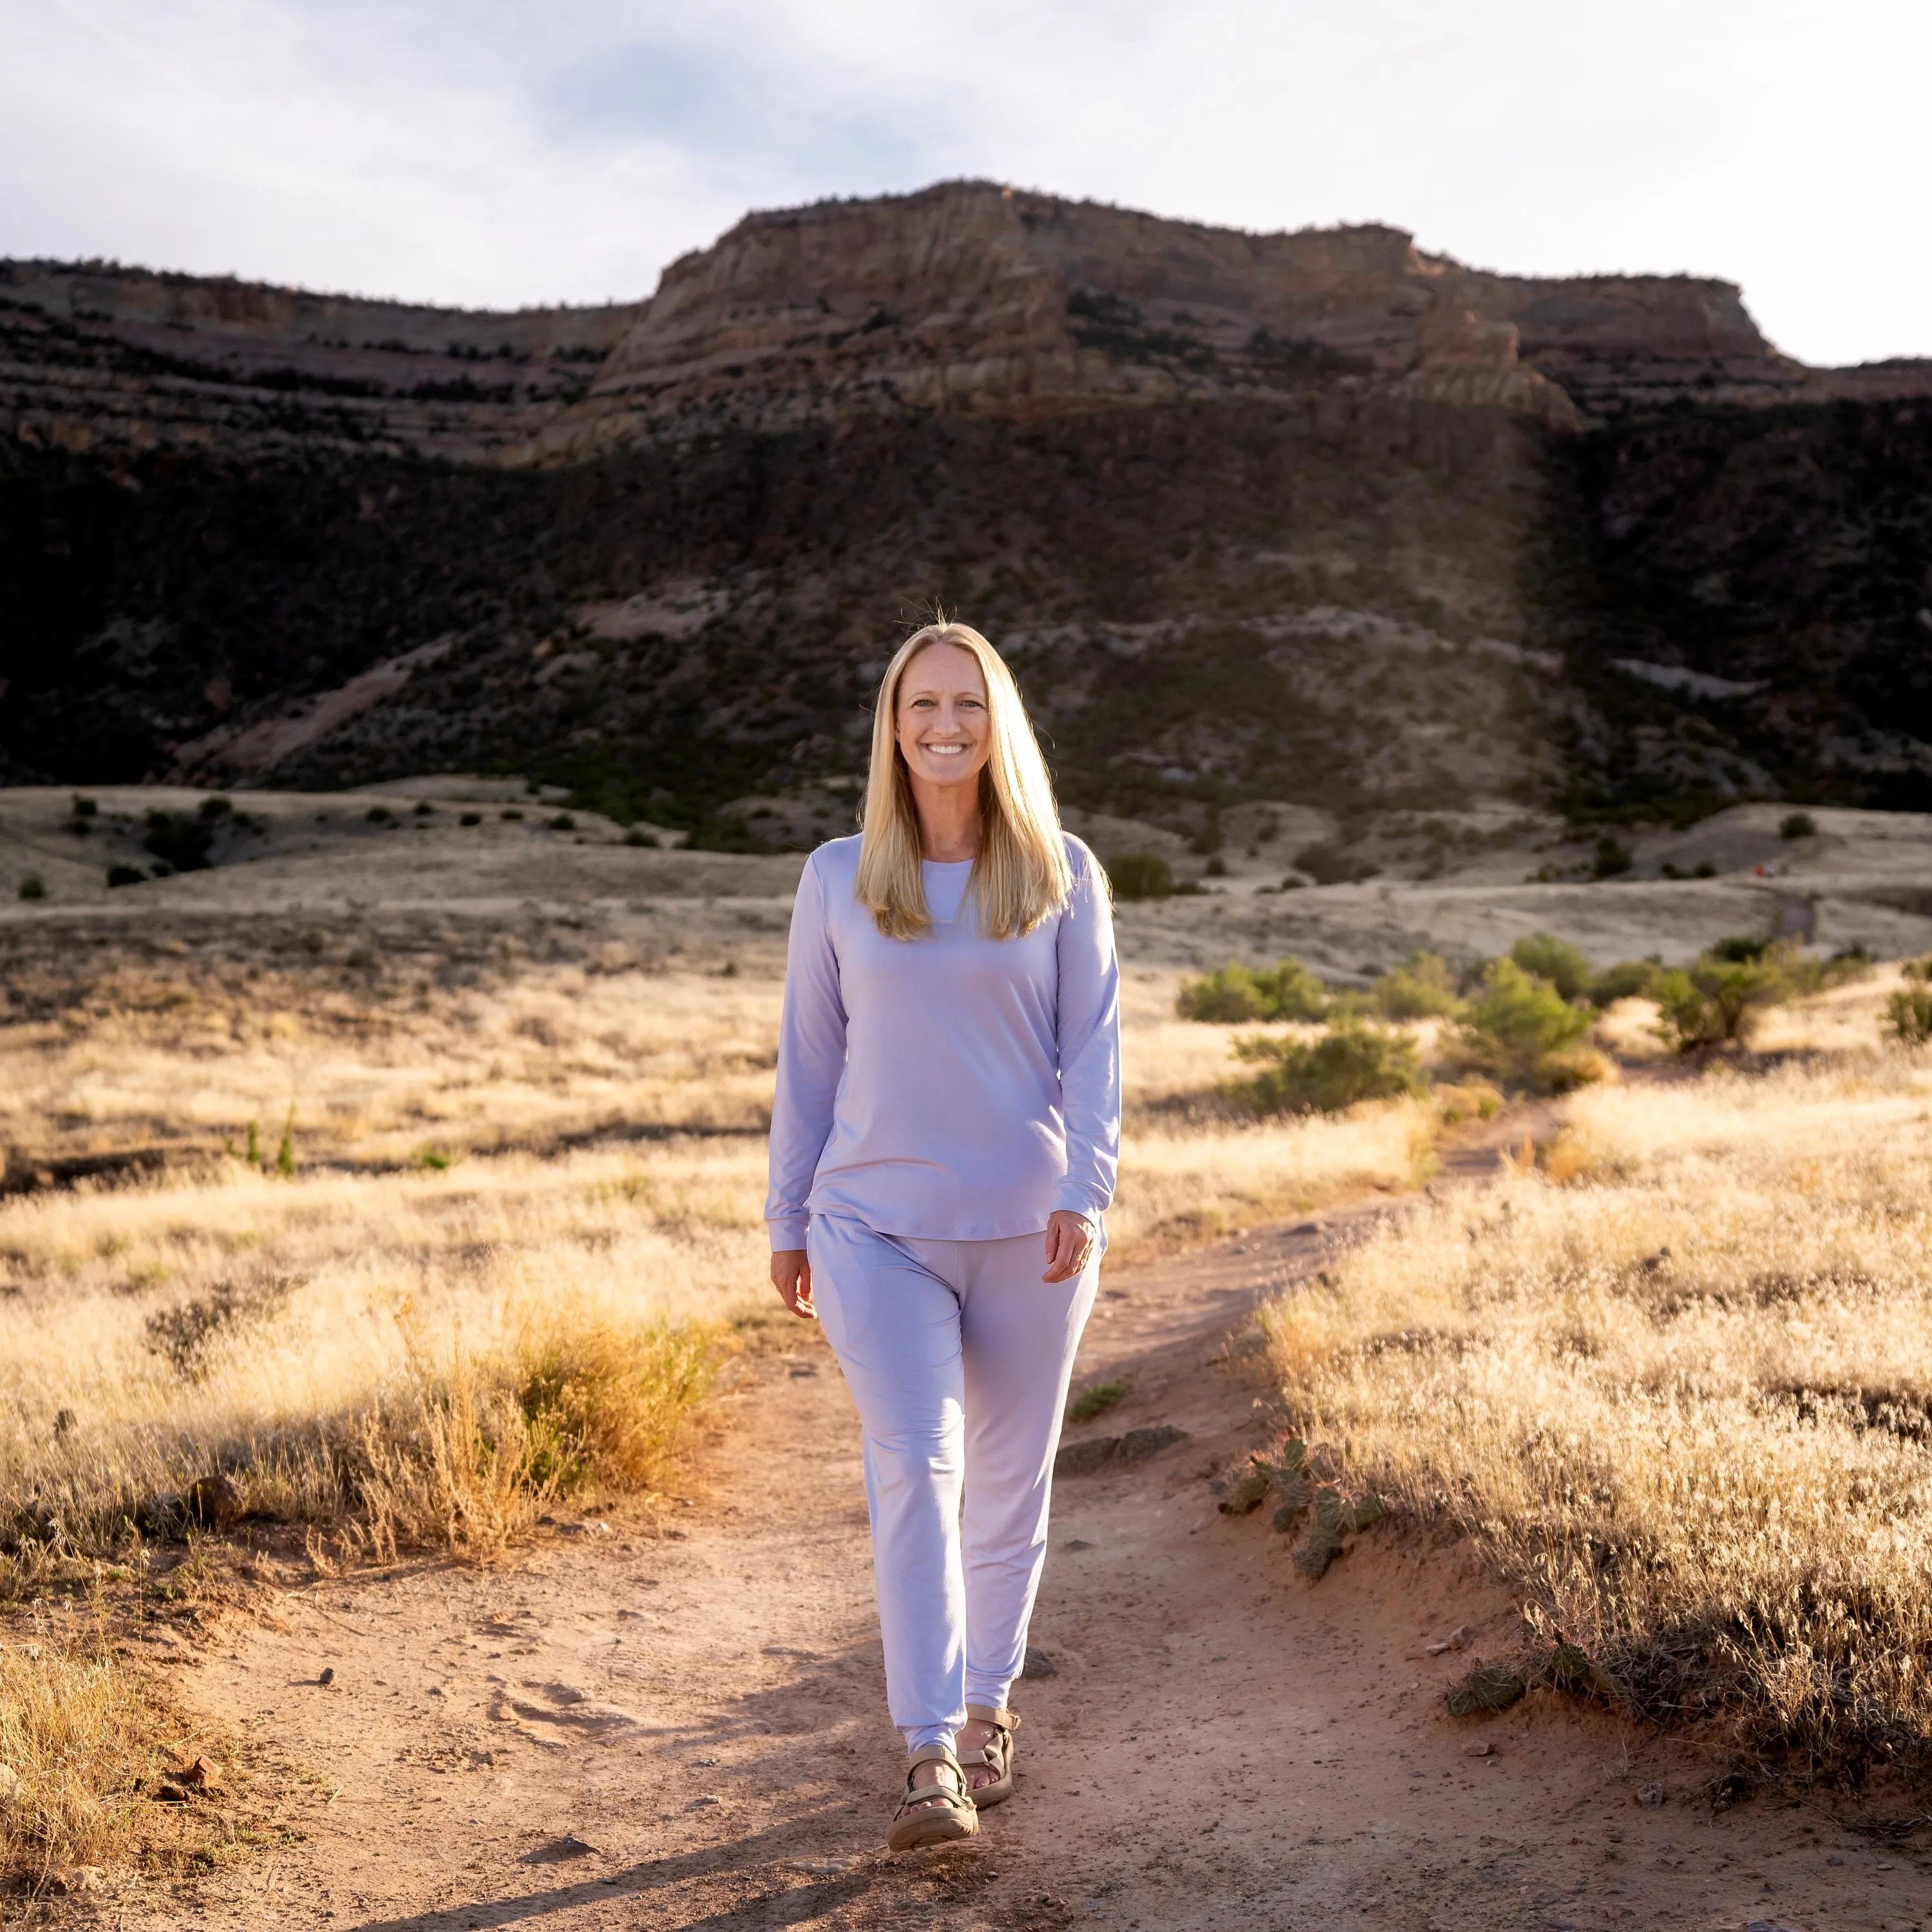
(1421, 986)
(471, 818)
(424, 809)
(1713, 1002)
(33, 886)
(86, 807)
(125, 875)
(1564, 966)
(1628, 979)
(184, 844)
(1095, 1401)
(1908, 1015)
(215, 808)
(1742, 950)
(1234, 993)
(1140, 875)
(1797, 825)
(1612, 861)
(1519, 1029)
(1216, 868)
(1352, 1061)
(1327, 867)
(377, 814)
(511, 814)
(562, 822)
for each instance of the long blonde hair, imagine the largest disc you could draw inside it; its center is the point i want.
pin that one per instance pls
(1021, 875)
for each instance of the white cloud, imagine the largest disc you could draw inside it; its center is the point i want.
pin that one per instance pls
(499, 152)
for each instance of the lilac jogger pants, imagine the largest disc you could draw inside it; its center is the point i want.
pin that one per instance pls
(958, 1357)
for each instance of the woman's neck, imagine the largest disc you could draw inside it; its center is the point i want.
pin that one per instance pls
(949, 822)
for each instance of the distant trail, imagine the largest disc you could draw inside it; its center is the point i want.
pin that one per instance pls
(688, 1728)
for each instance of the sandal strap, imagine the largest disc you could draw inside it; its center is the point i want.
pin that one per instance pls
(1000, 1719)
(954, 1795)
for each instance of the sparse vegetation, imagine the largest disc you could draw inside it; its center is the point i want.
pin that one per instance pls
(1421, 988)
(1713, 1002)
(1353, 1060)
(1233, 993)
(1567, 968)
(33, 886)
(1327, 867)
(1518, 1029)
(1140, 875)
(1908, 1012)
(1628, 979)
(1096, 1400)
(1797, 825)
(1680, 1401)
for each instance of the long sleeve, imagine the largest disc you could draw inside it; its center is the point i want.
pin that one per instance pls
(1089, 1032)
(811, 1059)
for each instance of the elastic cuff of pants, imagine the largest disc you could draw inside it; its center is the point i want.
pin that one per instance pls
(917, 1736)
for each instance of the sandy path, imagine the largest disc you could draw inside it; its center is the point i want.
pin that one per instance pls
(1220, 1744)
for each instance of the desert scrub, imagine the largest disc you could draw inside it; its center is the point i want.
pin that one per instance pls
(1421, 988)
(1520, 1030)
(1681, 1401)
(1234, 993)
(1567, 968)
(79, 1734)
(1353, 1060)
(1908, 1012)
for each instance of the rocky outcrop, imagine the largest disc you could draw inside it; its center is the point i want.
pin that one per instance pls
(966, 298)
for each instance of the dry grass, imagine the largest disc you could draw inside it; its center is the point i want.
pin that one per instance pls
(1683, 1400)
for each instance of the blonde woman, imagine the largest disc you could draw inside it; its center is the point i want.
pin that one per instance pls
(944, 1145)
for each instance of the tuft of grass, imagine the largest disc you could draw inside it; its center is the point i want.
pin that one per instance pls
(1680, 1403)
(1140, 875)
(1096, 1400)
(79, 1733)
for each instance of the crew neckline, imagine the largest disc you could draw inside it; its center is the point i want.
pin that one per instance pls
(946, 865)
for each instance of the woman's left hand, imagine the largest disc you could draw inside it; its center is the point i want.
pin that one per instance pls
(1070, 1241)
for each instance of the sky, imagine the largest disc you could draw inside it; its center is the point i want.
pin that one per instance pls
(503, 153)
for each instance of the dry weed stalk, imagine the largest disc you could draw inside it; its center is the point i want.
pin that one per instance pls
(1683, 1399)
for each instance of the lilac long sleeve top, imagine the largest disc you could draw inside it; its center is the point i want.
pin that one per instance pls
(948, 1088)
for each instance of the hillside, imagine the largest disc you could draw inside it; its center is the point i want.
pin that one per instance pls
(1315, 518)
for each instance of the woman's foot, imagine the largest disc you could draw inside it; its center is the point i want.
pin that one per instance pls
(935, 1808)
(985, 1748)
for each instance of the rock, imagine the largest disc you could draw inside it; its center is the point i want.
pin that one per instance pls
(1138, 1444)
(203, 1774)
(326, 1675)
(215, 1503)
(706, 1803)
(570, 1846)
(1104, 1452)
(1479, 1751)
(73, 1879)
(1650, 1796)
(10, 1786)
(165, 1793)
(1458, 1638)
(1039, 1664)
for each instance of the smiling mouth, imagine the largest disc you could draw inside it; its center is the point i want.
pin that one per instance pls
(945, 751)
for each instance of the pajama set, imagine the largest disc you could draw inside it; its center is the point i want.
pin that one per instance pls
(938, 1098)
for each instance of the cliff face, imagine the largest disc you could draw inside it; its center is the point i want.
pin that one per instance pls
(1312, 516)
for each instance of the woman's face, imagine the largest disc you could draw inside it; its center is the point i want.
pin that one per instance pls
(944, 731)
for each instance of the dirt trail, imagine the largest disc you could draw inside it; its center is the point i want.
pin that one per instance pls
(685, 1725)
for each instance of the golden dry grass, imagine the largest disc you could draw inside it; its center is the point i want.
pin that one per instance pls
(1682, 1400)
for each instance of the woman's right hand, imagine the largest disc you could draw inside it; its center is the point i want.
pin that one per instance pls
(791, 1276)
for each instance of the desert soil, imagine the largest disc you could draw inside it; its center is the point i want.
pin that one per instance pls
(676, 1718)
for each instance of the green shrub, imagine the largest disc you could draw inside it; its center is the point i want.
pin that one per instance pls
(562, 822)
(471, 818)
(1713, 1001)
(1421, 986)
(217, 807)
(125, 875)
(182, 843)
(1351, 1061)
(33, 886)
(86, 807)
(1521, 1030)
(1234, 993)
(1216, 868)
(1797, 825)
(1564, 966)
(1908, 1015)
(510, 814)
(1628, 979)
(377, 814)
(1612, 860)
(1327, 867)
(1140, 875)
(1096, 1400)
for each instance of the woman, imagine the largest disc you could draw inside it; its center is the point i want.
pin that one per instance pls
(943, 1143)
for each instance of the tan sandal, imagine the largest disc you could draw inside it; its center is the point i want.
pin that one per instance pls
(935, 1813)
(996, 1754)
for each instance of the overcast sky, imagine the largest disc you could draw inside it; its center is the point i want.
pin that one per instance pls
(502, 152)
